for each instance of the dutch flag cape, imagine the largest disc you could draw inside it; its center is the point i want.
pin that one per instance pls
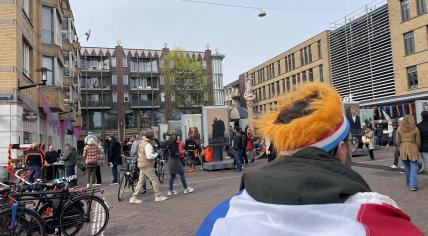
(368, 214)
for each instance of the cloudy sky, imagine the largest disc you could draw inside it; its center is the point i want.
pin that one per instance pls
(246, 39)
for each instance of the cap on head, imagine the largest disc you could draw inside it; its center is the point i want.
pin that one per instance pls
(311, 116)
(150, 134)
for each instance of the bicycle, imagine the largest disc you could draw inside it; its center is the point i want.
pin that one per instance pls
(130, 177)
(18, 220)
(67, 211)
(159, 168)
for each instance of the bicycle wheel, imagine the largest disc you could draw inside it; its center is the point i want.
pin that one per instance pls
(123, 184)
(161, 172)
(91, 218)
(25, 222)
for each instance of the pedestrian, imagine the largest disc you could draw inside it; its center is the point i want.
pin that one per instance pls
(310, 189)
(181, 150)
(393, 142)
(146, 157)
(238, 148)
(90, 154)
(368, 140)
(70, 160)
(176, 168)
(250, 145)
(134, 158)
(271, 156)
(51, 157)
(190, 148)
(35, 160)
(409, 143)
(114, 157)
(207, 154)
(101, 159)
(379, 134)
(244, 144)
(423, 130)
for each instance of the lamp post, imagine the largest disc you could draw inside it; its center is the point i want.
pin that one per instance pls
(44, 71)
(138, 101)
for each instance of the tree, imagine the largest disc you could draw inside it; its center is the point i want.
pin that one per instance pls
(186, 83)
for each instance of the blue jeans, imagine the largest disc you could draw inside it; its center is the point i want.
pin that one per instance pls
(238, 159)
(411, 169)
(171, 181)
(70, 170)
(114, 172)
(34, 173)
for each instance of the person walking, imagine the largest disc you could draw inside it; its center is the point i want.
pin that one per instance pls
(114, 157)
(368, 136)
(134, 157)
(409, 143)
(176, 168)
(70, 160)
(379, 134)
(34, 159)
(238, 149)
(250, 146)
(101, 158)
(90, 154)
(423, 130)
(393, 142)
(146, 157)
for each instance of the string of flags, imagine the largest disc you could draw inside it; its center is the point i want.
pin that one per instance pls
(58, 127)
(392, 111)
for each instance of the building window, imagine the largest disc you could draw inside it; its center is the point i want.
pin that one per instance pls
(412, 77)
(293, 78)
(278, 88)
(293, 65)
(311, 75)
(409, 43)
(304, 76)
(421, 7)
(309, 54)
(298, 78)
(286, 64)
(319, 49)
(113, 62)
(172, 97)
(125, 97)
(26, 59)
(279, 67)
(47, 25)
(114, 97)
(125, 62)
(162, 97)
(272, 86)
(302, 58)
(125, 79)
(321, 73)
(288, 84)
(26, 7)
(405, 10)
(114, 79)
(48, 62)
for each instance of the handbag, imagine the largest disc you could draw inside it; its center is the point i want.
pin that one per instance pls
(365, 140)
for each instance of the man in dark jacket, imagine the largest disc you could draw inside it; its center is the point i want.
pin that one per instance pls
(238, 147)
(34, 159)
(114, 157)
(423, 130)
(70, 160)
(310, 188)
(51, 157)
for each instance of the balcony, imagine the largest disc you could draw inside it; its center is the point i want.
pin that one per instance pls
(52, 50)
(144, 88)
(54, 98)
(144, 104)
(95, 88)
(96, 104)
(68, 13)
(66, 44)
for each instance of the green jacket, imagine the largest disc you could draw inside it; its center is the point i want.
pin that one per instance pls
(310, 176)
(70, 156)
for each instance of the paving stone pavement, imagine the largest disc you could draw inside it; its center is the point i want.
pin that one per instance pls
(182, 214)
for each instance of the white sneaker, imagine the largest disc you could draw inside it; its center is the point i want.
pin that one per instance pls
(394, 167)
(171, 193)
(135, 201)
(160, 199)
(189, 190)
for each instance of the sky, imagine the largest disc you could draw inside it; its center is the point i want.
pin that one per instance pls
(244, 38)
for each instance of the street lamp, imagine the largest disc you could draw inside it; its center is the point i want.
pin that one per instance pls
(138, 101)
(44, 71)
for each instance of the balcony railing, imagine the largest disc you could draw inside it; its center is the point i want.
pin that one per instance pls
(96, 104)
(145, 104)
(93, 87)
(155, 87)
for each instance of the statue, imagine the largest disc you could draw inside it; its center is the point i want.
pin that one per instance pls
(248, 94)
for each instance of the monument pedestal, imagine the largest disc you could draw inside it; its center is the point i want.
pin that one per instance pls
(219, 163)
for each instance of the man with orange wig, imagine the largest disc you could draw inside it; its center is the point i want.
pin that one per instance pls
(310, 188)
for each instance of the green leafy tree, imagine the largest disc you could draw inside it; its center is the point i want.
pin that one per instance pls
(186, 83)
